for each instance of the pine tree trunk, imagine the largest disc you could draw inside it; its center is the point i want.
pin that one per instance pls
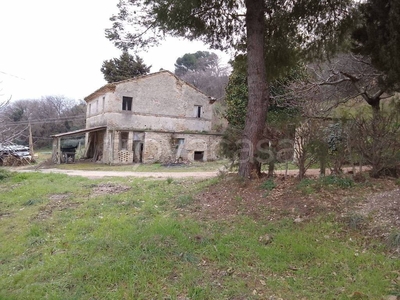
(249, 166)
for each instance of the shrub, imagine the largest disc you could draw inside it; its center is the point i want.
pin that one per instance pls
(394, 239)
(4, 174)
(305, 186)
(183, 201)
(342, 182)
(268, 185)
(355, 221)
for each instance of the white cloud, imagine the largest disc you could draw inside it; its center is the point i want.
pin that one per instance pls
(53, 47)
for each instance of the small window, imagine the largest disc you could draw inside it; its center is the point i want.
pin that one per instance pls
(126, 103)
(199, 155)
(104, 103)
(124, 140)
(197, 111)
(179, 142)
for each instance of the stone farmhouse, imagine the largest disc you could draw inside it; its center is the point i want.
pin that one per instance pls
(151, 118)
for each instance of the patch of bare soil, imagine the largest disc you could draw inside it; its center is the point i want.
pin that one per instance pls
(384, 209)
(234, 196)
(108, 189)
(58, 202)
(377, 198)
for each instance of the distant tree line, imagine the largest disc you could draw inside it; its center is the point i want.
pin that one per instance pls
(46, 116)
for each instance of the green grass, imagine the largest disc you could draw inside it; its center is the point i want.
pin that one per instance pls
(309, 186)
(61, 240)
(268, 185)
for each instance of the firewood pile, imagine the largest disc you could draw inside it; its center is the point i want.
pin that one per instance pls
(14, 161)
(12, 155)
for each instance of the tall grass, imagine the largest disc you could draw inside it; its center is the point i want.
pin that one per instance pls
(134, 245)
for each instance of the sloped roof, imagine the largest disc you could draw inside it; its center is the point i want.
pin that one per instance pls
(110, 87)
(79, 131)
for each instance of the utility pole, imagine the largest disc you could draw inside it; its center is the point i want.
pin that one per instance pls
(30, 138)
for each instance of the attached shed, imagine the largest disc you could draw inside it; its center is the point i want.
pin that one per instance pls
(61, 154)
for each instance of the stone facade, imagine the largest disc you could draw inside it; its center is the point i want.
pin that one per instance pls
(152, 118)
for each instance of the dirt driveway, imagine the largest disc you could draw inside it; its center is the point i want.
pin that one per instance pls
(101, 174)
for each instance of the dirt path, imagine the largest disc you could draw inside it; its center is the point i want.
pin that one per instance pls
(101, 174)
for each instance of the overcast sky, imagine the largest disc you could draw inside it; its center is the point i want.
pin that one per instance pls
(55, 47)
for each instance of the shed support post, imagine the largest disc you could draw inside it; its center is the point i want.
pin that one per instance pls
(59, 150)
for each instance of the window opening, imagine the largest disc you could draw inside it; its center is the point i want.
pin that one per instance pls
(197, 111)
(179, 146)
(179, 141)
(126, 103)
(199, 155)
(124, 140)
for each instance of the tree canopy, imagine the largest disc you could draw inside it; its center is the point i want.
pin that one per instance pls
(198, 61)
(124, 67)
(237, 94)
(378, 37)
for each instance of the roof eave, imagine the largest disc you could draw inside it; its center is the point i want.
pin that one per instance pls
(109, 87)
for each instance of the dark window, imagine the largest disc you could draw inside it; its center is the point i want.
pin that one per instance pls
(198, 155)
(197, 111)
(126, 103)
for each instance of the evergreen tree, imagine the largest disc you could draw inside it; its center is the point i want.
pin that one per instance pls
(378, 37)
(125, 67)
(199, 61)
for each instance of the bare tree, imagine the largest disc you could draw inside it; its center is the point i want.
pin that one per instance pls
(207, 74)
(370, 138)
(3, 103)
(377, 140)
(338, 80)
(306, 141)
(47, 116)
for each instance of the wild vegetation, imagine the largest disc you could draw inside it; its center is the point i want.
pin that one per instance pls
(182, 239)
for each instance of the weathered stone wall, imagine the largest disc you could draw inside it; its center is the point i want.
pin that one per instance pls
(163, 147)
(160, 102)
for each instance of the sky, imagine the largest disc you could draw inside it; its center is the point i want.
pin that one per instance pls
(56, 47)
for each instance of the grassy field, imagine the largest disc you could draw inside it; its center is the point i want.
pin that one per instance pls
(75, 238)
